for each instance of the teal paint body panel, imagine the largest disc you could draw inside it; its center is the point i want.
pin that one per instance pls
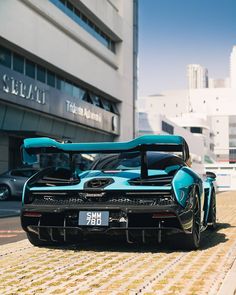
(208, 188)
(183, 183)
(44, 142)
(120, 181)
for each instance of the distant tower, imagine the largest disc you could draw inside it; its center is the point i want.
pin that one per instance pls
(197, 76)
(233, 68)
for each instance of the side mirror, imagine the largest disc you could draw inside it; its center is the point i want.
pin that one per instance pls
(210, 175)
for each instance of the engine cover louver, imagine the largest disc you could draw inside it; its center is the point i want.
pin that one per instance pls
(160, 180)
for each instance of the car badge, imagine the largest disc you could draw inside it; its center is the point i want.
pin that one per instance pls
(91, 195)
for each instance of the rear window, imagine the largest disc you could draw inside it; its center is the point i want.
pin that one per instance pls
(132, 160)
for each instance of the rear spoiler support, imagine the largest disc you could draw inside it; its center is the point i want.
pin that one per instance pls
(144, 164)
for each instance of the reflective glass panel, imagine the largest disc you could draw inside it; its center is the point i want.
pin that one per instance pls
(41, 74)
(18, 63)
(30, 69)
(51, 78)
(68, 88)
(5, 57)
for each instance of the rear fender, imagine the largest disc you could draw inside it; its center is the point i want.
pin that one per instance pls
(184, 182)
(208, 190)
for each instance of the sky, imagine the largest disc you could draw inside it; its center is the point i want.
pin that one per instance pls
(175, 33)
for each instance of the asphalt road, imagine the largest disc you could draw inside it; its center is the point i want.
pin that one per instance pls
(117, 268)
(10, 230)
(9, 208)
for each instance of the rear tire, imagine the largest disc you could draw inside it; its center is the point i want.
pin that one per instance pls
(5, 192)
(212, 212)
(192, 241)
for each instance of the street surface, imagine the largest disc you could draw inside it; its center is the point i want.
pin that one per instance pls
(10, 230)
(9, 208)
(117, 268)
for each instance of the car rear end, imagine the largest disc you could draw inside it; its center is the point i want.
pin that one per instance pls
(126, 192)
(65, 215)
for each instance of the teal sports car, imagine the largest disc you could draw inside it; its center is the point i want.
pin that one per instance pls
(142, 190)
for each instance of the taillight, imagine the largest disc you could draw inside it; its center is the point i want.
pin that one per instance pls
(163, 215)
(32, 214)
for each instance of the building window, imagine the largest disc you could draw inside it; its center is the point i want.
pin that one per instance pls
(81, 19)
(78, 92)
(196, 130)
(68, 88)
(167, 127)
(232, 155)
(96, 100)
(41, 74)
(70, 6)
(212, 147)
(30, 69)
(51, 78)
(35, 71)
(107, 105)
(59, 83)
(5, 57)
(18, 63)
(87, 97)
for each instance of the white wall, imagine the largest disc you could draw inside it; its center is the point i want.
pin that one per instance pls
(150, 123)
(216, 103)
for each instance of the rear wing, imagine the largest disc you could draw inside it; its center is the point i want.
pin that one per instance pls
(163, 143)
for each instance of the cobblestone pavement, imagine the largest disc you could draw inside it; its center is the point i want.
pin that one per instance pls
(123, 269)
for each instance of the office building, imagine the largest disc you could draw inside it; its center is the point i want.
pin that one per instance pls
(219, 83)
(153, 123)
(215, 104)
(67, 71)
(197, 76)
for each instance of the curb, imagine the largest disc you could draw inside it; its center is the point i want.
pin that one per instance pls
(229, 283)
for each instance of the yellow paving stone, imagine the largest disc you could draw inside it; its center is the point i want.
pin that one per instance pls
(105, 292)
(58, 291)
(28, 270)
(158, 287)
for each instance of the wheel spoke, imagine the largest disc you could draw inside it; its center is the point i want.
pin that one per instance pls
(4, 193)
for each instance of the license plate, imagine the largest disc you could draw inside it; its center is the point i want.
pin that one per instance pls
(94, 218)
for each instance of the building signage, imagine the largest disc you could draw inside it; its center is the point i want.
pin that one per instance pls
(71, 107)
(21, 89)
